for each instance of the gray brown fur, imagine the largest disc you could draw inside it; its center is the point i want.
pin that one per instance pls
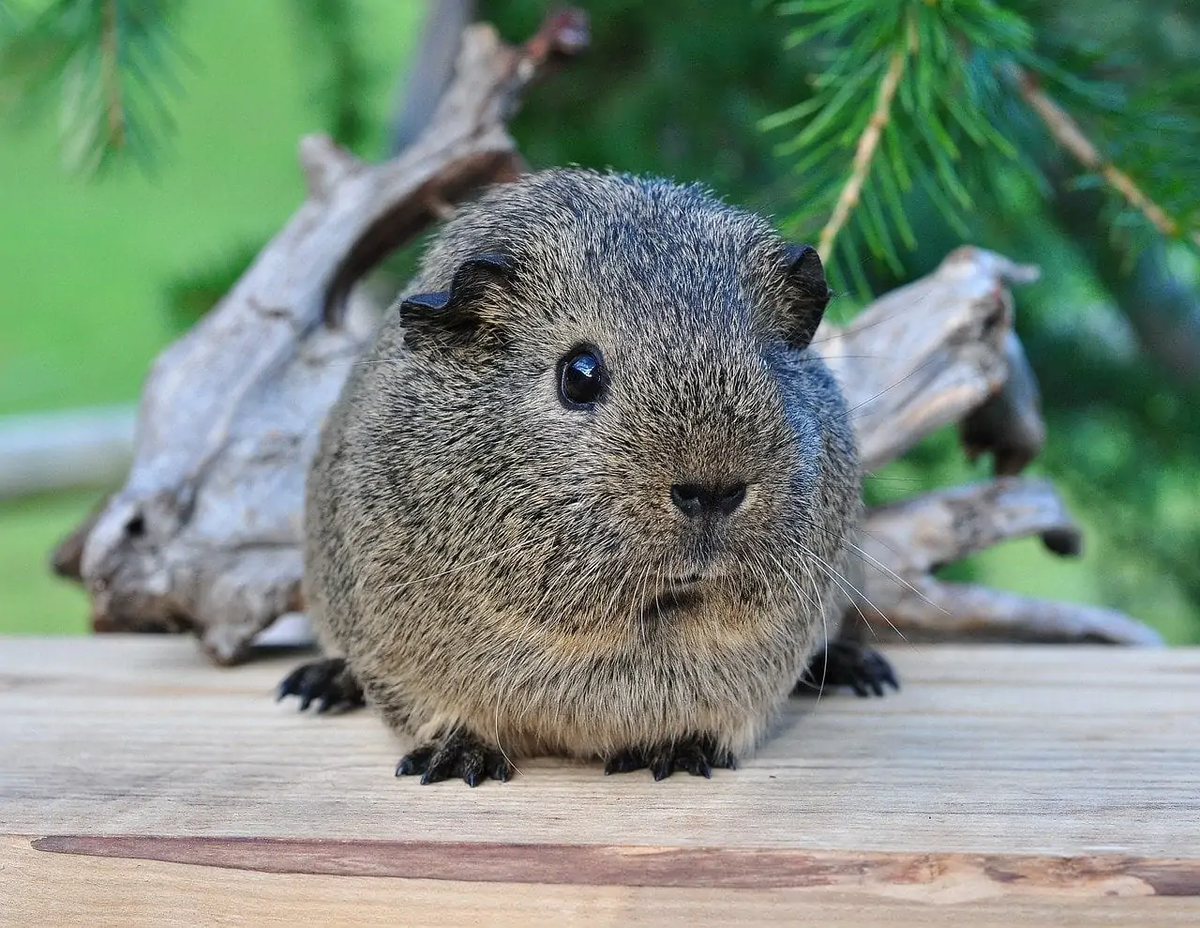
(483, 556)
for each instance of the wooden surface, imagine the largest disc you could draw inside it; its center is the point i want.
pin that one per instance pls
(1002, 786)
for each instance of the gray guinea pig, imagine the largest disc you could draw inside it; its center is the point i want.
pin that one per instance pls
(589, 492)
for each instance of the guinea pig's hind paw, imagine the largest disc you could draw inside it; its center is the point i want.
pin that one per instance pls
(457, 755)
(697, 755)
(847, 663)
(327, 682)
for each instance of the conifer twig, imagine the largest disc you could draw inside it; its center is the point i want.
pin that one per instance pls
(114, 108)
(1067, 133)
(868, 142)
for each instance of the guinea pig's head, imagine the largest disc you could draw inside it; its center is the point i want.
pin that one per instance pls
(608, 407)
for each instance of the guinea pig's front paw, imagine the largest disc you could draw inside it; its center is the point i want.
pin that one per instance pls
(698, 755)
(847, 663)
(329, 682)
(458, 754)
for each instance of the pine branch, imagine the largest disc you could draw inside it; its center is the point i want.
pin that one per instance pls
(110, 50)
(943, 123)
(899, 96)
(1067, 133)
(110, 63)
(868, 142)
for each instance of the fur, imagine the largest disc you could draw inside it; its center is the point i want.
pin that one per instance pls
(490, 561)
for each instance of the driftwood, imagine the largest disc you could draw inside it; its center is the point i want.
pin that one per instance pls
(206, 532)
(51, 451)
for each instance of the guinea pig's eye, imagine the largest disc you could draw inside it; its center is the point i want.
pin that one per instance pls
(581, 377)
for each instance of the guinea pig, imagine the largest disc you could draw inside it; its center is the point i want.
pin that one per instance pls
(589, 492)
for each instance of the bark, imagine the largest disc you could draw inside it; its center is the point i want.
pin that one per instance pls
(206, 533)
(904, 544)
(431, 70)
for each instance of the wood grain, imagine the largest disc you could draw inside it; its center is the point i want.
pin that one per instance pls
(114, 891)
(1054, 784)
(580, 865)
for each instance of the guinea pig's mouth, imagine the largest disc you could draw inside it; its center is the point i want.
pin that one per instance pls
(679, 593)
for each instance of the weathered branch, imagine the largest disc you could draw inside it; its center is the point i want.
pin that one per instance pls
(925, 355)
(905, 543)
(1009, 424)
(206, 532)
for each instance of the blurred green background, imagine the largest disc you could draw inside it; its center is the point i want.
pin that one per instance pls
(93, 266)
(102, 272)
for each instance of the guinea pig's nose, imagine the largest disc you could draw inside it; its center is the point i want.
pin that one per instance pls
(694, 499)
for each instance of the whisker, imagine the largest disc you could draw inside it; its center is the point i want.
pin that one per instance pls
(879, 565)
(916, 370)
(896, 576)
(832, 572)
(850, 328)
(820, 607)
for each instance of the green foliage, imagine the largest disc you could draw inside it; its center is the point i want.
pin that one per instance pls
(674, 88)
(684, 87)
(896, 68)
(909, 94)
(113, 65)
(9, 19)
(338, 70)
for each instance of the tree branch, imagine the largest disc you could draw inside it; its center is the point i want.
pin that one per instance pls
(114, 104)
(905, 543)
(1070, 136)
(206, 532)
(868, 142)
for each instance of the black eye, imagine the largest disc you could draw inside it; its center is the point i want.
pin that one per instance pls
(581, 377)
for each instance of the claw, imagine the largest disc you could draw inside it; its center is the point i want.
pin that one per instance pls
(327, 682)
(847, 663)
(624, 761)
(697, 756)
(457, 755)
(414, 762)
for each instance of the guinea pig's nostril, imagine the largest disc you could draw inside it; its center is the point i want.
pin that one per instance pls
(731, 496)
(689, 498)
(695, 500)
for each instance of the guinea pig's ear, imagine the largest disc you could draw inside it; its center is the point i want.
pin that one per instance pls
(462, 310)
(808, 292)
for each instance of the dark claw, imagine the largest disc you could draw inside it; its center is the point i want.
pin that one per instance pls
(414, 762)
(662, 763)
(625, 761)
(458, 755)
(696, 755)
(327, 682)
(692, 759)
(500, 769)
(441, 765)
(847, 663)
(471, 766)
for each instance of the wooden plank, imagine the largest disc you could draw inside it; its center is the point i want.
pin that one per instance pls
(1058, 782)
(120, 891)
(613, 865)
